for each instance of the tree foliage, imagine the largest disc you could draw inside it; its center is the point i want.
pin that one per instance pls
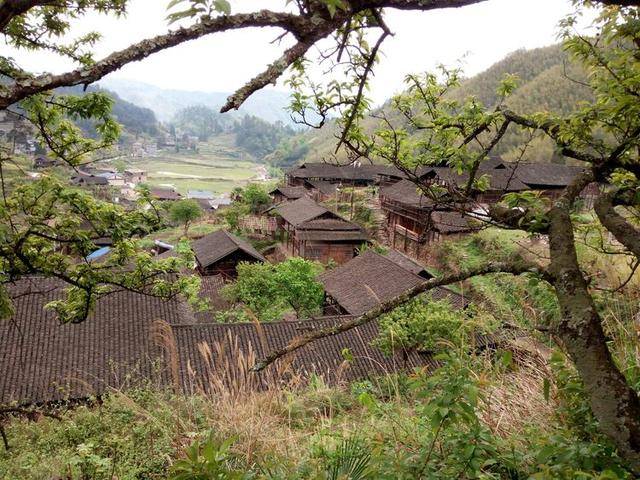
(270, 290)
(185, 212)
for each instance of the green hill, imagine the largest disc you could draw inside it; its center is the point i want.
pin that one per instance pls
(548, 81)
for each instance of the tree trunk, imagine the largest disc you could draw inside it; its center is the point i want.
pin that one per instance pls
(614, 403)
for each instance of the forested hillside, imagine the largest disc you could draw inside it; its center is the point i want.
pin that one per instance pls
(547, 79)
(136, 120)
(268, 104)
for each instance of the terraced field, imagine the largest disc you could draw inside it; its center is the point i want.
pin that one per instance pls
(216, 167)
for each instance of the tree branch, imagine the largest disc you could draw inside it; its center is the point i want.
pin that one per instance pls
(621, 229)
(23, 88)
(301, 341)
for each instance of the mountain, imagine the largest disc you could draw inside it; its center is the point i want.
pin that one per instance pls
(136, 120)
(548, 81)
(267, 104)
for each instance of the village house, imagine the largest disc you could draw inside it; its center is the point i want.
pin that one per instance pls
(121, 346)
(89, 180)
(219, 253)
(135, 176)
(286, 193)
(313, 232)
(371, 279)
(354, 175)
(165, 194)
(43, 161)
(113, 178)
(414, 222)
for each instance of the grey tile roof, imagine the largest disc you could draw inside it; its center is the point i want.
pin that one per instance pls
(292, 193)
(325, 357)
(217, 245)
(371, 279)
(302, 210)
(42, 360)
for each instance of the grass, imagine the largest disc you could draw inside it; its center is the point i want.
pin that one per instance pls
(283, 429)
(218, 166)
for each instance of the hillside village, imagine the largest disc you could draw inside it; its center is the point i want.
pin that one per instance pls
(302, 221)
(301, 278)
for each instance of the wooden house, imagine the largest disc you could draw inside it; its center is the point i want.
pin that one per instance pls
(135, 176)
(165, 194)
(43, 161)
(313, 232)
(414, 221)
(371, 279)
(287, 193)
(220, 252)
(354, 175)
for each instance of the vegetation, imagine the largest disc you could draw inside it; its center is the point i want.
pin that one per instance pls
(271, 290)
(199, 121)
(431, 424)
(258, 137)
(185, 212)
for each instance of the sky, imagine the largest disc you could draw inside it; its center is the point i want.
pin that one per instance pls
(472, 37)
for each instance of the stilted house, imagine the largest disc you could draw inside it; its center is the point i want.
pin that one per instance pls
(414, 221)
(313, 232)
(220, 252)
(353, 175)
(287, 193)
(371, 279)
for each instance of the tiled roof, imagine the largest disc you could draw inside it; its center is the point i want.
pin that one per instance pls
(338, 173)
(292, 193)
(406, 192)
(328, 229)
(502, 180)
(324, 357)
(42, 360)
(371, 279)
(407, 263)
(301, 210)
(326, 188)
(217, 245)
(546, 174)
(164, 193)
(453, 222)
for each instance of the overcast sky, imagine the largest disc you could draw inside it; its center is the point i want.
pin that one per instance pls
(478, 36)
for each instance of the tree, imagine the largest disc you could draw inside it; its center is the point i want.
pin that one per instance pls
(185, 212)
(255, 197)
(605, 135)
(38, 217)
(199, 121)
(270, 290)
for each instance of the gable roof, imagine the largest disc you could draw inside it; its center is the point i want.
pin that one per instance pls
(337, 173)
(161, 193)
(453, 222)
(301, 210)
(217, 245)
(292, 193)
(546, 174)
(406, 192)
(326, 188)
(330, 229)
(407, 263)
(324, 357)
(42, 360)
(371, 279)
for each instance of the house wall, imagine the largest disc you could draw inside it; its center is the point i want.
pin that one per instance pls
(227, 265)
(339, 252)
(330, 307)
